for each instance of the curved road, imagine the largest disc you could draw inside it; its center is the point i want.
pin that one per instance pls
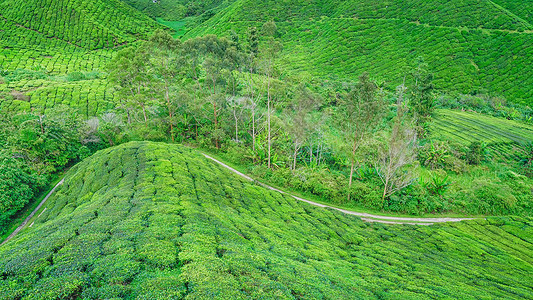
(364, 216)
(12, 235)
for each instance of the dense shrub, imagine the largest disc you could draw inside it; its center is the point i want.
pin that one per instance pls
(18, 185)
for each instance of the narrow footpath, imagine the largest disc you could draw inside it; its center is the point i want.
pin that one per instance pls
(12, 235)
(364, 216)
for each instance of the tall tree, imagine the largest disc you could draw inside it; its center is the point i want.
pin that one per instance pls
(422, 99)
(253, 51)
(269, 54)
(360, 113)
(167, 65)
(128, 71)
(398, 155)
(304, 102)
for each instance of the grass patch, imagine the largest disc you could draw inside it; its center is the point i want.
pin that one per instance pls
(179, 27)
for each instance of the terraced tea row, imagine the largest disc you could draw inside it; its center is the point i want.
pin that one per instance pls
(80, 23)
(88, 97)
(329, 45)
(149, 220)
(465, 127)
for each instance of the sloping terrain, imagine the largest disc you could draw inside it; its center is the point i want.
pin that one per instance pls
(467, 127)
(156, 221)
(43, 41)
(175, 10)
(471, 46)
(80, 23)
(503, 137)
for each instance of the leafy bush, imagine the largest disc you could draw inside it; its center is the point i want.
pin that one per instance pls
(476, 153)
(75, 76)
(18, 185)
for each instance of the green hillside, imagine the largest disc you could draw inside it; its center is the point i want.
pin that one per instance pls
(174, 10)
(503, 137)
(80, 23)
(471, 46)
(467, 127)
(156, 221)
(42, 42)
(522, 9)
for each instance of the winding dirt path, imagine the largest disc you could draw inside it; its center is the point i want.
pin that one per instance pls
(364, 216)
(12, 235)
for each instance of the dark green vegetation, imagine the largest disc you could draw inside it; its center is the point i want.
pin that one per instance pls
(156, 221)
(294, 131)
(36, 146)
(466, 128)
(438, 124)
(79, 23)
(471, 46)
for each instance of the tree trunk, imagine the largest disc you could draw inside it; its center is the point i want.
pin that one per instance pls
(144, 114)
(215, 111)
(253, 111)
(385, 190)
(236, 126)
(352, 167)
(167, 97)
(295, 154)
(310, 154)
(268, 121)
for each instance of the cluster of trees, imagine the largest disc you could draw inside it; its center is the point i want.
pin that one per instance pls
(222, 93)
(351, 143)
(36, 146)
(342, 141)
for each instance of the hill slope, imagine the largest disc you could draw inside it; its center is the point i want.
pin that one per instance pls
(471, 46)
(155, 221)
(80, 23)
(53, 38)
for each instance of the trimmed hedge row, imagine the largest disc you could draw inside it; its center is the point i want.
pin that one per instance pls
(149, 220)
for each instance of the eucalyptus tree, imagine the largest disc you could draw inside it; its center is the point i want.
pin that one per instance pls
(304, 103)
(128, 72)
(252, 51)
(422, 100)
(217, 58)
(360, 112)
(269, 53)
(167, 66)
(398, 155)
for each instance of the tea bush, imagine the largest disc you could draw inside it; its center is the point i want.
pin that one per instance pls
(151, 220)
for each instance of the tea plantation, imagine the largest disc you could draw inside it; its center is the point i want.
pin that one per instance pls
(155, 221)
(471, 46)
(503, 137)
(42, 42)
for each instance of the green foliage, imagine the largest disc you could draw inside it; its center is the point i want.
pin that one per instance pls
(476, 153)
(75, 76)
(526, 159)
(18, 185)
(434, 155)
(469, 46)
(175, 10)
(155, 221)
(81, 23)
(437, 185)
(500, 136)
